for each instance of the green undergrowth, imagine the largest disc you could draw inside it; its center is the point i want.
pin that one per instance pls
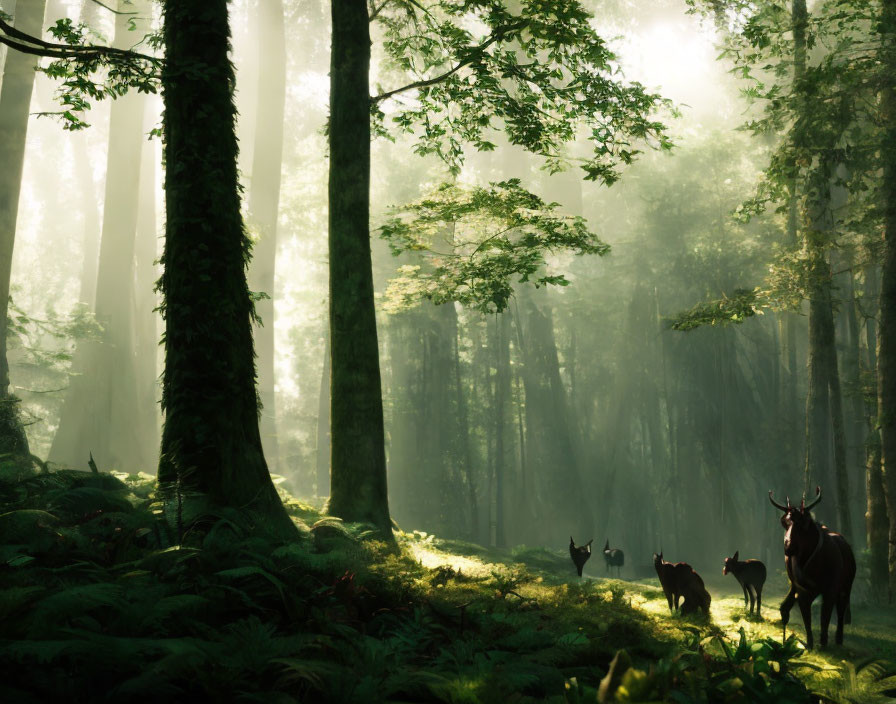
(109, 594)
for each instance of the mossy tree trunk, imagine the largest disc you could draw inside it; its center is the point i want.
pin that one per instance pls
(210, 441)
(358, 490)
(15, 103)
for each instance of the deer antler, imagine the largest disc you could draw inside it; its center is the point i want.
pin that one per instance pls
(777, 505)
(817, 499)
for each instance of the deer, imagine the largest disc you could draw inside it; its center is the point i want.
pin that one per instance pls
(818, 561)
(681, 580)
(750, 574)
(579, 553)
(614, 558)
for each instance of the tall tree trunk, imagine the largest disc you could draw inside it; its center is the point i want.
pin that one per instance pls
(322, 459)
(358, 489)
(264, 203)
(210, 441)
(463, 418)
(857, 426)
(101, 413)
(550, 441)
(841, 474)
(502, 392)
(886, 338)
(15, 102)
(145, 317)
(876, 523)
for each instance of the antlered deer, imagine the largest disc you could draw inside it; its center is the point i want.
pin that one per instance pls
(579, 553)
(681, 580)
(818, 561)
(614, 558)
(750, 574)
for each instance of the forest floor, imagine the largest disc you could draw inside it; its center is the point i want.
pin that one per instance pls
(108, 593)
(861, 670)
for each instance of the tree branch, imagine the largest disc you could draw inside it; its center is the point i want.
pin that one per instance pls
(474, 54)
(27, 44)
(375, 11)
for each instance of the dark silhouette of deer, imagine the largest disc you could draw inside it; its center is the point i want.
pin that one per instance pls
(680, 580)
(818, 561)
(579, 553)
(614, 558)
(750, 574)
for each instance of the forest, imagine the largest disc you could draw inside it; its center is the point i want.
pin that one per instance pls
(458, 351)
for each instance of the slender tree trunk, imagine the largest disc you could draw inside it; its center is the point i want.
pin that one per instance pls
(886, 338)
(323, 424)
(15, 103)
(101, 413)
(502, 392)
(857, 427)
(550, 441)
(358, 489)
(876, 523)
(264, 203)
(463, 419)
(210, 441)
(145, 317)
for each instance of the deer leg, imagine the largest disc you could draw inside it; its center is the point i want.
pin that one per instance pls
(805, 605)
(677, 597)
(752, 599)
(842, 605)
(827, 608)
(786, 606)
(759, 602)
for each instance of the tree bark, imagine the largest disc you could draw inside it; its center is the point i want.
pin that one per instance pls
(210, 441)
(264, 204)
(15, 103)
(886, 338)
(358, 488)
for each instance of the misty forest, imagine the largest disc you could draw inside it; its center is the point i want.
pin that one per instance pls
(448, 351)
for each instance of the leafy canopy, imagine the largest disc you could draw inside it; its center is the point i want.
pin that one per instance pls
(474, 244)
(535, 70)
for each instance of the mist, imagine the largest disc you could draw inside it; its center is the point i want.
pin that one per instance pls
(634, 354)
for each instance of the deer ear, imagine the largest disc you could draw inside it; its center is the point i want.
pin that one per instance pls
(571, 541)
(736, 553)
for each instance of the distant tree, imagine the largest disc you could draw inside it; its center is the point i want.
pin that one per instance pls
(886, 352)
(536, 71)
(264, 201)
(15, 104)
(101, 414)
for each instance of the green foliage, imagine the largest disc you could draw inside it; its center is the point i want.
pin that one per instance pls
(817, 79)
(734, 309)
(48, 342)
(98, 603)
(474, 244)
(87, 71)
(536, 71)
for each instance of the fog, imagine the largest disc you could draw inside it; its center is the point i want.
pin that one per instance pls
(577, 410)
